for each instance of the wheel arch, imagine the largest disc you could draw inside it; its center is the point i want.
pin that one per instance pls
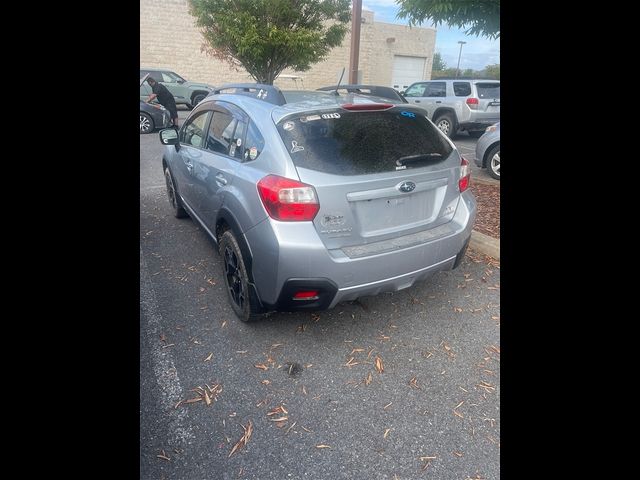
(442, 110)
(485, 157)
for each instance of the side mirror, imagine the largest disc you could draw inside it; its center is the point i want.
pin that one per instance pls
(169, 136)
(181, 81)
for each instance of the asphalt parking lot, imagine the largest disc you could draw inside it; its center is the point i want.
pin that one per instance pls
(398, 386)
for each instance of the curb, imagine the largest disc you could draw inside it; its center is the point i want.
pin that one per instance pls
(485, 244)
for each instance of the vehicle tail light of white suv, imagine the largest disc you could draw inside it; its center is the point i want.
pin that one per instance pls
(288, 200)
(465, 176)
(473, 103)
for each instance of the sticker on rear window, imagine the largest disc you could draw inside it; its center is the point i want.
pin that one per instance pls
(310, 118)
(408, 114)
(253, 153)
(330, 115)
(288, 126)
(295, 147)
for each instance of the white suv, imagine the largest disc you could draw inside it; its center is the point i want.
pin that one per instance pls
(458, 104)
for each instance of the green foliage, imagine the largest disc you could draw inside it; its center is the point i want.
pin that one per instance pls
(468, 72)
(438, 62)
(482, 17)
(492, 71)
(267, 36)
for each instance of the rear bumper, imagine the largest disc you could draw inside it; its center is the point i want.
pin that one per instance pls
(283, 251)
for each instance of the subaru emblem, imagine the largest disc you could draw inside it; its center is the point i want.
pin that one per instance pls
(407, 187)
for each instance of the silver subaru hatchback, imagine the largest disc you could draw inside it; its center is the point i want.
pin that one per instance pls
(320, 200)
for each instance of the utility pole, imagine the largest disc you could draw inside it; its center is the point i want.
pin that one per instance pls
(355, 41)
(459, 55)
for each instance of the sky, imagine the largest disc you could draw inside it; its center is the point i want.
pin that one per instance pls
(477, 53)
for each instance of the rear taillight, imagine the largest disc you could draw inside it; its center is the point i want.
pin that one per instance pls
(306, 295)
(288, 200)
(367, 106)
(473, 103)
(465, 176)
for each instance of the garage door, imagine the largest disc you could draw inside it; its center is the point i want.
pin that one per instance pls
(407, 70)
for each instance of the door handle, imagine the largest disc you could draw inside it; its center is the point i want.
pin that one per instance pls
(417, 101)
(438, 101)
(220, 179)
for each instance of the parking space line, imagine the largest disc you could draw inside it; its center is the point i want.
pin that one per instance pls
(170, 391)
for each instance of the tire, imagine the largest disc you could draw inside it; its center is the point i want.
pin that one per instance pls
(236, 279)
(493, 162)
(197, 98)
(476, 133)
(174, 198)
(146, 123)
(447, 124)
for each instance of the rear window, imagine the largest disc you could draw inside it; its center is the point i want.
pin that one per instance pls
(488, 90)
(356, 143)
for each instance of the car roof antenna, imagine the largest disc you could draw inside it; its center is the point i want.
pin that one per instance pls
(339, 81)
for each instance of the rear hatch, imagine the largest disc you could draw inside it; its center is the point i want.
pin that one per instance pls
(379, 175)
(488, 97)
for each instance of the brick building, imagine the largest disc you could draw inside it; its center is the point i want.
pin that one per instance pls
(392, 55)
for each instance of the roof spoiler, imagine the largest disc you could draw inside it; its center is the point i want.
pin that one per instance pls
(375, 90)
(268, 93)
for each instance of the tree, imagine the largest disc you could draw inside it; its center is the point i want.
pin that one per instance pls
(267, 36)
(482, 16)
(469, 72)
(492, 71)
(438, 63)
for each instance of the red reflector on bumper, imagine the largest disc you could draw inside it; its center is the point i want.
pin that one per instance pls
(306, 295)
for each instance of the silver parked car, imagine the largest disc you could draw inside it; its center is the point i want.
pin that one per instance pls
(318, 201)
(458, 104)
(488, 151)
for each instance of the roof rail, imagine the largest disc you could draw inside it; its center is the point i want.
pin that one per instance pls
(463, 78)
(268, 93)
(376, 90)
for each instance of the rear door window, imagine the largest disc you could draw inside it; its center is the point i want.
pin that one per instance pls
(461, 89)
(488, 90)
(356, 143)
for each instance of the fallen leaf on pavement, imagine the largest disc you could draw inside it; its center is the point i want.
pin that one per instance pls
(386, 432)
(244, 439)
(323, 446)
(457, 454)
(387, 405)
(379, 364)
(261, 366)
(209, 357)
(413, 383)
(368, 379)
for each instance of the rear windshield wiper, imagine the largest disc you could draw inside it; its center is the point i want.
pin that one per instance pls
(414, 158)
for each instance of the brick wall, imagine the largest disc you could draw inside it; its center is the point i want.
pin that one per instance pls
(169, 39)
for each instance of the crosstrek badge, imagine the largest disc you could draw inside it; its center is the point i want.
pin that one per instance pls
(253, 153)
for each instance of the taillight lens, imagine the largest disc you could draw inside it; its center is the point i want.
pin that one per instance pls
(465, 176)
(473, 103)
(288, 200)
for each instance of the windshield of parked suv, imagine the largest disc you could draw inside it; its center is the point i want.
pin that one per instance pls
(488, 90)
(355, 143)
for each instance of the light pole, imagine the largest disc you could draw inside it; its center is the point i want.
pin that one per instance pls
(459, 55)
